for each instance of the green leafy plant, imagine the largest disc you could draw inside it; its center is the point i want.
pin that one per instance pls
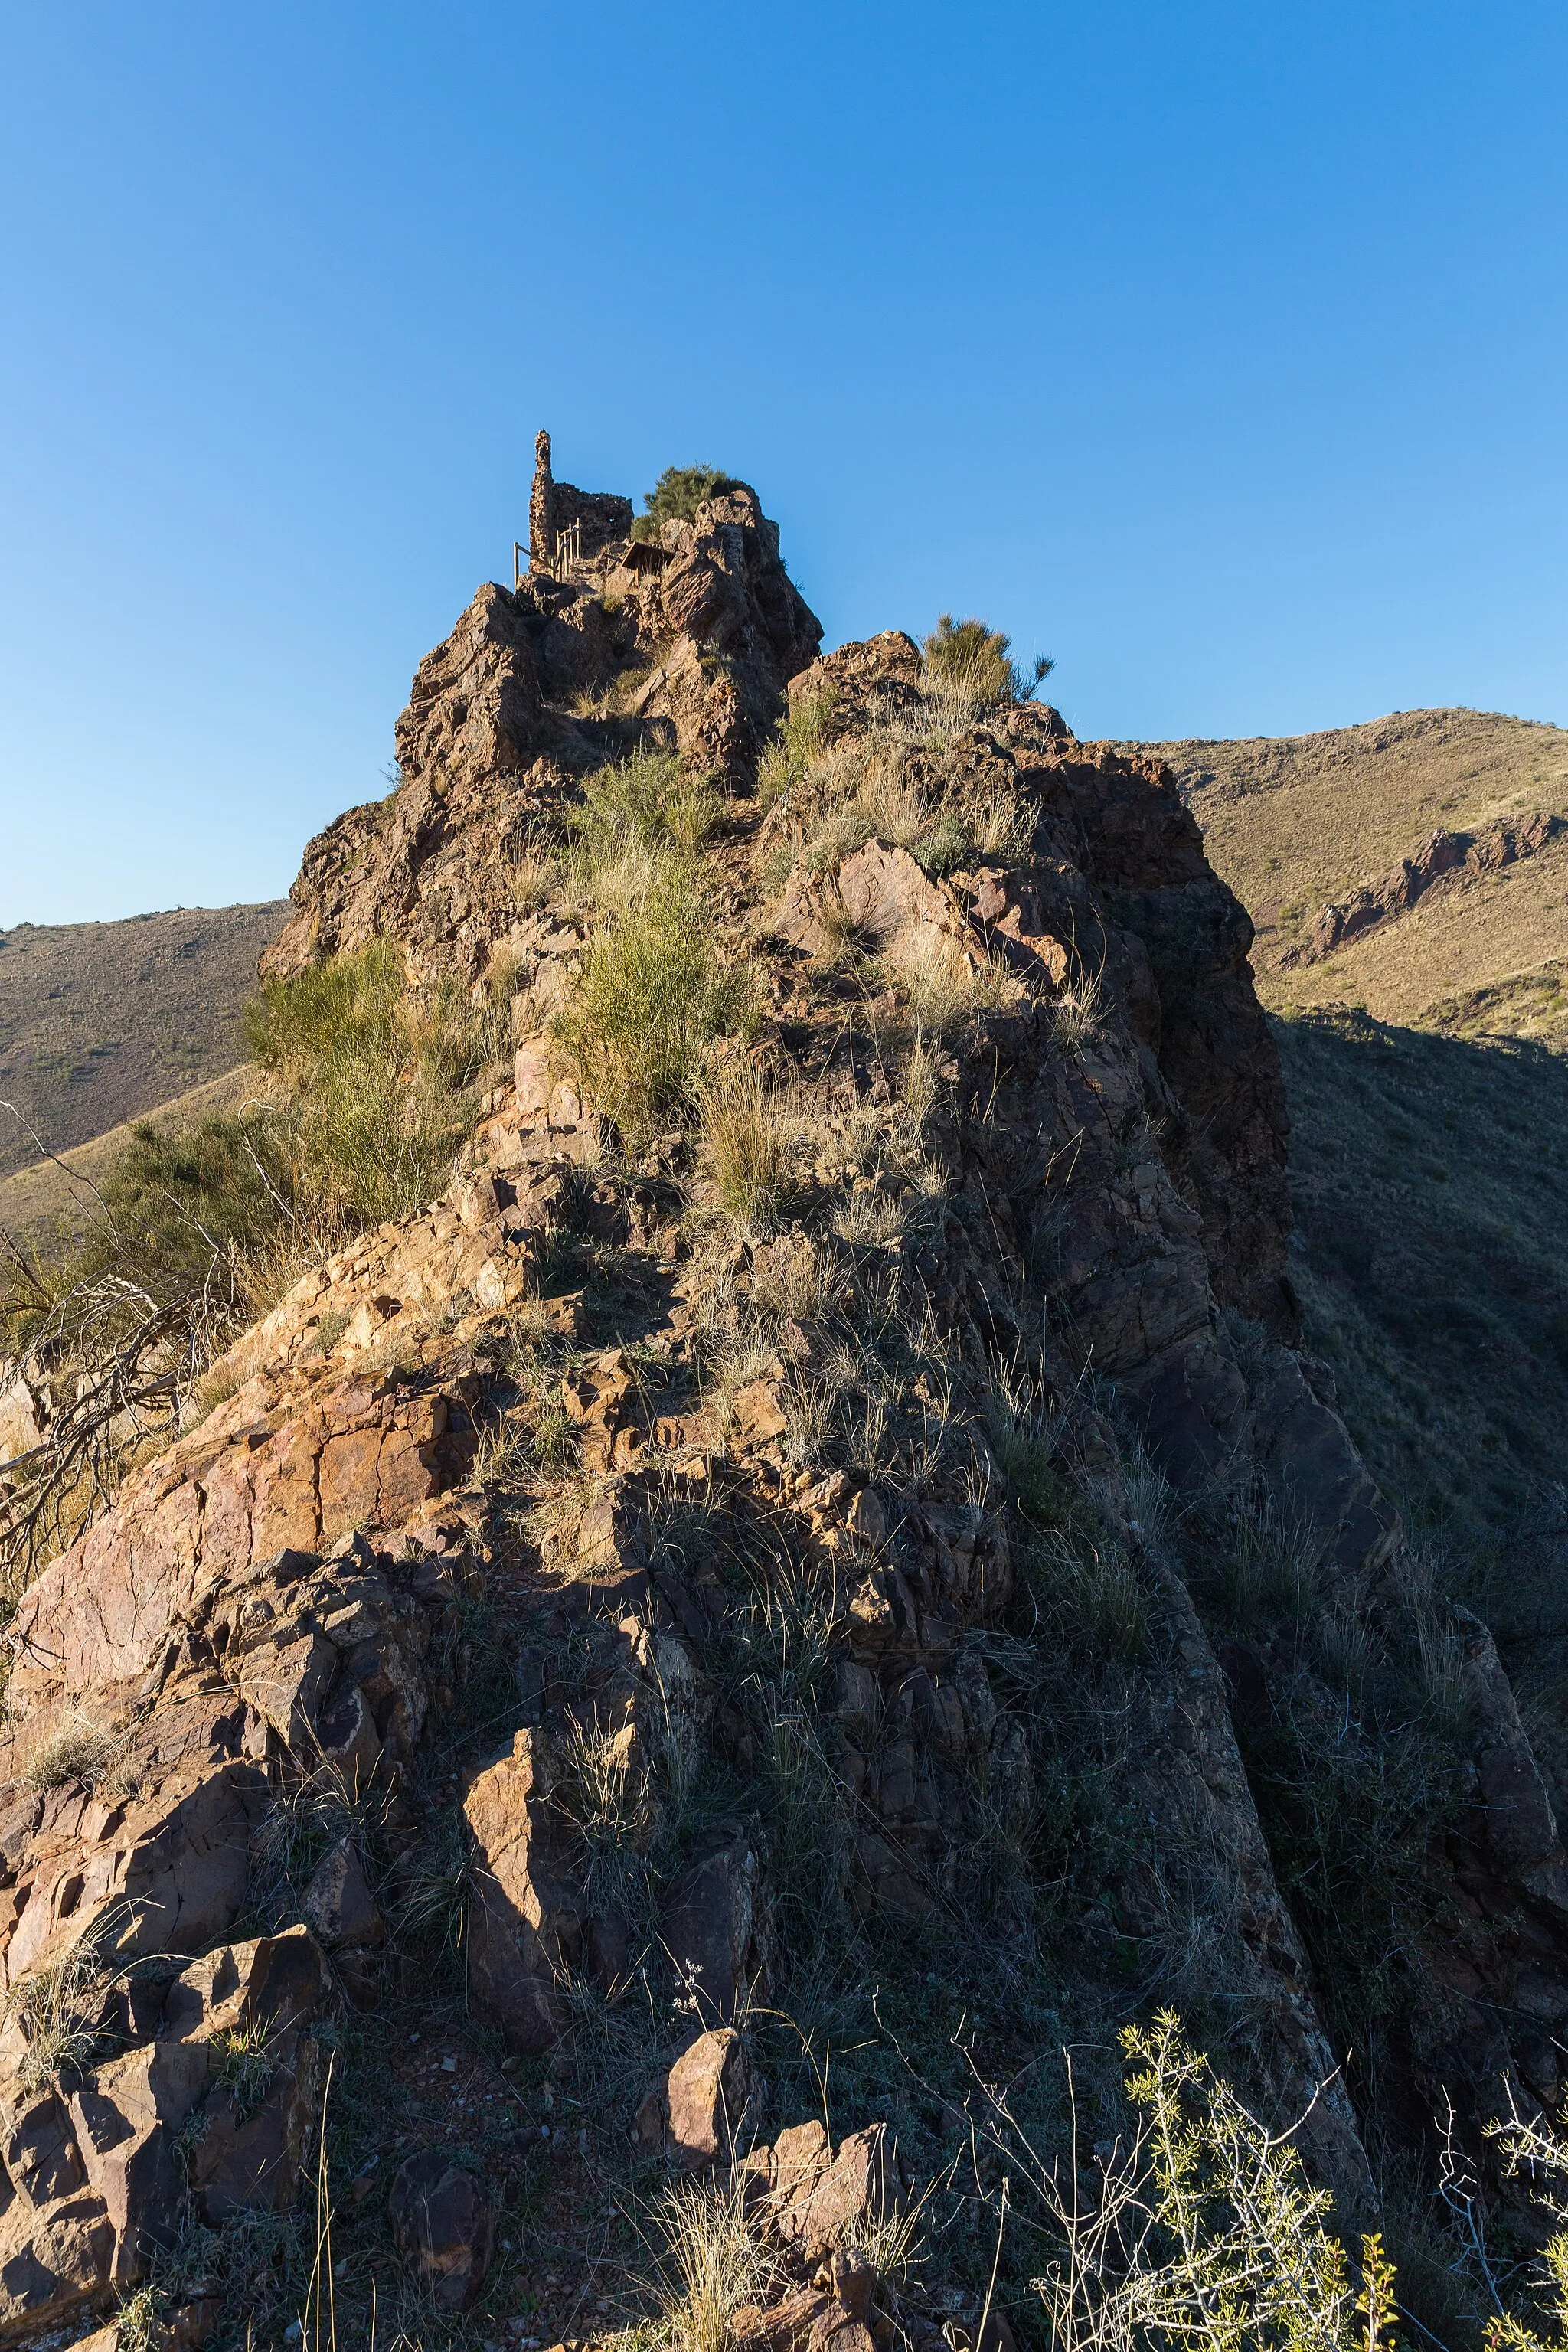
(1201, 2230)
(676, 495)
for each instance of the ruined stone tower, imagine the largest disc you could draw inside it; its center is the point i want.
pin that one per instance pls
(601, 517)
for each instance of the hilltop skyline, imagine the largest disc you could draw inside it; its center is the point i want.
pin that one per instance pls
(1217, 356)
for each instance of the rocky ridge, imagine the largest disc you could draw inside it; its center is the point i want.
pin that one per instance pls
(1073, 1229)
(1462, 855)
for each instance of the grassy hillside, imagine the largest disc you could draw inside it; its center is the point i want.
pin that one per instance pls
(54, 1196)
(1427, 1068)
(1297, 823)
(100, 1023)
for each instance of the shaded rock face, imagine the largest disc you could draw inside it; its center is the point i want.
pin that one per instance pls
(102, 2165)
(444, 2223)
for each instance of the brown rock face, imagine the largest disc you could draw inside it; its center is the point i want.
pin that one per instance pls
(444, 2222)
(1460, 855)
(200, 1626)
(707, 2097)
(711, 629)
(527, 1923)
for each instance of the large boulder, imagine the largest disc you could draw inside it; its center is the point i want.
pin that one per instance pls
(444, 2224)
(526, 1922)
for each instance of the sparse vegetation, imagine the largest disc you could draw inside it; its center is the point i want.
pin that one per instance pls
(641, 809)
(244, 2064)
(376, 1085)
(195, 1234)
(654, 996)
(58, 2009)
(715, 2259)
(972, 664)
(676, 495)
(79, 1750)
(797, 746)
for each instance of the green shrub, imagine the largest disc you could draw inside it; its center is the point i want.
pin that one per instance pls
(947, 846)
(676, 495)
(1203, 2230)
(799, 743)
(972, 662)
(653, 998)
(643, 805)
(378, 1085)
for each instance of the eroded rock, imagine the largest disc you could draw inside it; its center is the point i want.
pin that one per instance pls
(445, 2222)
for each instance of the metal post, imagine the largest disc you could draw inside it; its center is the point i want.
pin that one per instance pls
(516, 567)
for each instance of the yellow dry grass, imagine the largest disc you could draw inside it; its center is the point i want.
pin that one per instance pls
(1296, 821)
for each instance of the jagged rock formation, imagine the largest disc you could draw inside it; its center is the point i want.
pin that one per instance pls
(1495, 845)
(694, 647)
(1090, 1199)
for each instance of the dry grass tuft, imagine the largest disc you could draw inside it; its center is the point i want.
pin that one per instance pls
(1078, 1012)
(535, 878)
(973, 663)
(946, 988)
(80, 1750)
(607, 1794)
(798, 746)
(633, 819)
(714, 2261)
(58, 2009)
(745, 1125)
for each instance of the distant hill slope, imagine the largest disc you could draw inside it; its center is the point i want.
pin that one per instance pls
(52, 1197)
(1298, 823)
(100, 1023)
(1427, 1069)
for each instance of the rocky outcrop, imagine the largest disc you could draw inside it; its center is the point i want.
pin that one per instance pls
(256, 1610)
(1463, 856)
(690, 644)
(755, 1555)
(201, 2090)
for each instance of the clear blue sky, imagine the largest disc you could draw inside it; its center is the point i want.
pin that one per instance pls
(1220, 351)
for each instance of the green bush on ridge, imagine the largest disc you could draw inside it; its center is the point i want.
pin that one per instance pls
(973, 663)
(676, 495)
